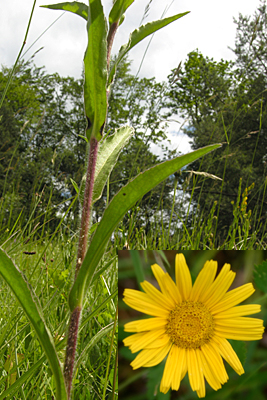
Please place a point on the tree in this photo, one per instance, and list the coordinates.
(201, 87)
(250, 43)
(140, 103)
(51, 148)
(221, 109)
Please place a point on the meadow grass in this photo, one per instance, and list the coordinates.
(173, 231)
(47, 262)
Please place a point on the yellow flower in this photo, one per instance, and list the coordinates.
(191, 324)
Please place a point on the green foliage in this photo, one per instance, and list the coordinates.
(153, 382)
(108, 153)
(29, 302)
(75, 7)
(138, 35)
(118, 9)
(260, 276)
(39, 154)
(51, 150)
(95, 71)
(251, 36)
(223, 109)
(118, 207)
(201, 87)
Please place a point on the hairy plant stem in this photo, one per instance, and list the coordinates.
(87, 204)
(111, 35)
(82, 247)
(71, 348)
(83, 238)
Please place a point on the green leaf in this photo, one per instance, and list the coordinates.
(29, 373)
(260, 276)
(95, 71)
(154, 376)
(119, 205)
(108, 153)
(29, 302)
(118, 9)
(138, 267)
(240, 348)
(74, 184)
(138, 35)
(75, 7)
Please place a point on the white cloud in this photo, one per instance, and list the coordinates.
(178, 141)
(209, 27)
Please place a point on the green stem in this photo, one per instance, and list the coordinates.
(111, 34)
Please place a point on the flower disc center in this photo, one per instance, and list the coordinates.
(190, 325)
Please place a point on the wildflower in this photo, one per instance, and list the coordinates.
(191, 324)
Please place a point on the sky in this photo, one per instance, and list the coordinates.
(209, 27)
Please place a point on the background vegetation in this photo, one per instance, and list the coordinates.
(221, 202)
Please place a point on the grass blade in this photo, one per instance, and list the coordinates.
(29, 302)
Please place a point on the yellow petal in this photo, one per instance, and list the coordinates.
(171, 289)
(244, 323)
(223, 285)
(169, 369)
(211, 378)
(238, 311)
(158, 355)
(132, 338)
(141, 302)
(160, 342)
(214, 359)
(204, 280)
(232, 298)
(157, 296)
(143, 297)
(238, 333)
(229, 354)
(202, 390)
(144, 340)
(219, 287)
(193, 369)
(180, 369)
(183, 276)
(159, 274)
(145, 324)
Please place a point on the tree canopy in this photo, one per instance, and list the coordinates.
(226, 103)
(42, 134)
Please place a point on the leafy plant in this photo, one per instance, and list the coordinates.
(102, 155)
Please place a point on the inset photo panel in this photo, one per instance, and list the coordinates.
(192, 324)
